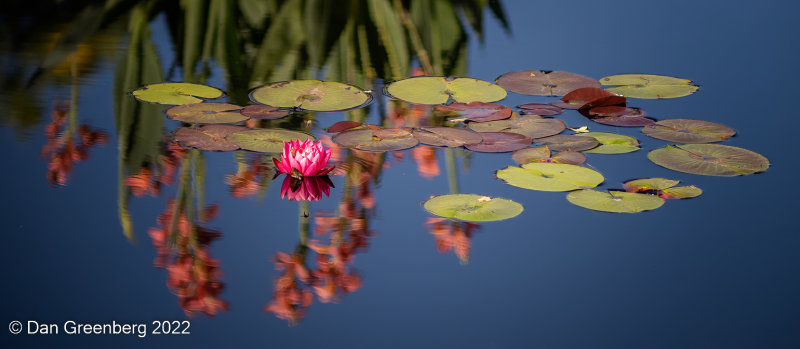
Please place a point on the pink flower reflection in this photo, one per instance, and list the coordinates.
(307, 188)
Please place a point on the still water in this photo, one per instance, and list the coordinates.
(84, 220)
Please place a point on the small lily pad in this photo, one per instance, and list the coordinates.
(176, 93)
(590, 97)
(500, 142)
(261, 111)
(343, 126)
(550, 176)
(439, 90)
(313, 95)
(618, 116)
(611, 143)
(540, 109)
(531, 126)
(376, 140)
(540, 83)
(210, 137)
(709, 159)
(664, 188)
(689, 131)
(472, 207)
(648, 86)
(568, 142)
(614, 201)
(207, 113)
(446, 136)
(543, 154)
(474, 111)
(268, 140)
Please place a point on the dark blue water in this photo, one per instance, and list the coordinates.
(720, 270)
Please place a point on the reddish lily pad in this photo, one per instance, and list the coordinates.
(664, 188)
(689, 131)
(568, 142)
(531, 126)
(540, 83)
(381, 140)
(500, 142)
(540, 109)
(210, 137)
(709, 159)
(474, 111)
(446, 136)
(261, 111)
(565, 105)
(343, 126)
(207, 113)
(543, 154)
(590, 97)
(614, 201)
(268, 140)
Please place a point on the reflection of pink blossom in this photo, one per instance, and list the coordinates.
(304, 159)
(307, 188)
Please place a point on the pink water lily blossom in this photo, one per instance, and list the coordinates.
(304, 159)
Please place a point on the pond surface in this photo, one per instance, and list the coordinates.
(719, 270)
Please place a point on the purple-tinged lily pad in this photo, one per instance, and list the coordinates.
(267, 140)
(210, 137)
(568, 142)
(543, 154)
(540, 83)
(446, 136)
(261, 111)
(619, 116)
(500, 142)
(689, 131)
(207, 113)
(381, 140)
(709, 159)
(531, 126)
(474, 112)
(541, 109)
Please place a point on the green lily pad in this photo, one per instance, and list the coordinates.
(543, 154)
(176, 93)
(531, 126)
(614, 201)
(313, 95)
(261, 111)
(268, 140)
(472, 207)
(438, 90)
(550, 176)
(648, 86)
(611, 143)
(376, 140)
(568, 142)
(540, 83)
(500, 142)
(446, 136)
(689, 131)
(664, 188)
(210, 137)
(709, 159)
(207, 113)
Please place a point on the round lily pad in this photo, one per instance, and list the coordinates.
(313, 95)
(618, 116)
(614, 201)
(176, 93)
(689, 131)
(682, 192)
(268, 140)
(472, 207)
(439, 90)
(474, 112)
(648, 86)
(500, 142)
(207, 113)
(590, 97)
(529, 125)
(540, 109)
(543, 154)
(343, 126)
(709, 159)
(210, 137)
(446, 136)
(261, 111)
(376, 140)
(568, 142)
(611, 143)
(540, 83)
(664, 188)
(550, 176)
